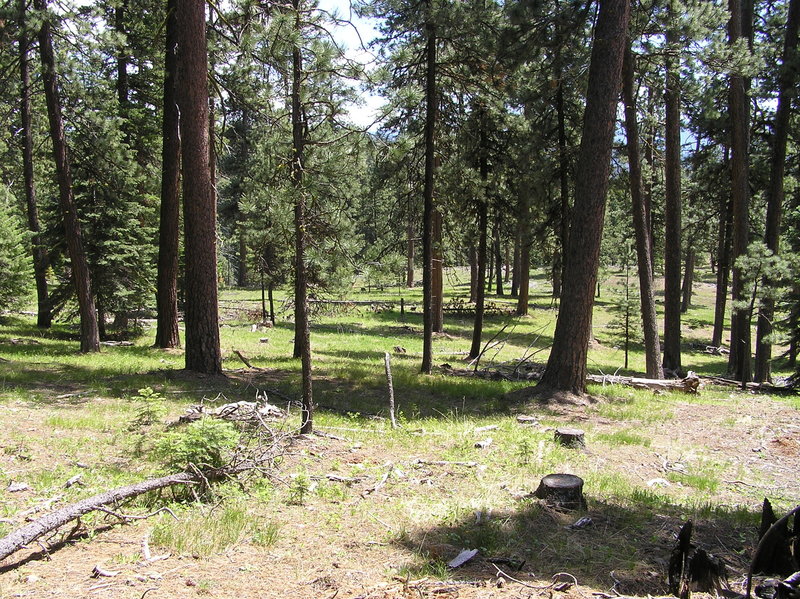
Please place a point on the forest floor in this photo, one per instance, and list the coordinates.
(363, 510)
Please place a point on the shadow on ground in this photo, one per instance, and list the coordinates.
(625, 550)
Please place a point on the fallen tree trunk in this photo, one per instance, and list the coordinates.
(689, 384)
(21, 537)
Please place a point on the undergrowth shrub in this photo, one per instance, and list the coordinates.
(150, 407)
(205, 443)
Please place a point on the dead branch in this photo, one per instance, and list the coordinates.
(690, 384)
(245, 360)
(21, 537)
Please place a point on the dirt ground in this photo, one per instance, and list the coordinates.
(757, 439)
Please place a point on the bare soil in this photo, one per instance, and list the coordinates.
(752, 442)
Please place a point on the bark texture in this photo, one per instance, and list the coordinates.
(44, 316)
(672, 205)
(167, 334)
(787, 87)
(566, 366)
(641, 229)
(199, 208)
(427, 195)
(739, 360)
(302, 332)
(90, 334)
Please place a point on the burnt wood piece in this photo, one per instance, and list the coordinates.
(775, 556)
(562, 491)
(570, 437)
(694, 569)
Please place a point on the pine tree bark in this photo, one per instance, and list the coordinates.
(199, 208)
(524, 278)
(427, 193)
(44, 315)
(739, 359)
(167, 333)
(515, 261)
(483, 234)
(672, 204)
(473, 273)
(641, 227)
(787, 87)
(688, 279)
(409, 249)
(437, 275)
(563, 180)
(480, 283)
(302, 332)
(566, 366)
(725, 235)
(90, 334)
(498, 256)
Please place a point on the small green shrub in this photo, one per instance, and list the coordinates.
(299, 488)
(150, 407)
(205, 444)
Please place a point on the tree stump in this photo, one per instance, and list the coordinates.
(562, 491)
(570, 437)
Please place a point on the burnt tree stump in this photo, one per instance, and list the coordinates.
(562, 491)
(570, 437)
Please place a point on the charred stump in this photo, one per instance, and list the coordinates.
(692, 568)
(775, 555)
(562, 492)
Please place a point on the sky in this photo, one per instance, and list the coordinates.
(348, 37)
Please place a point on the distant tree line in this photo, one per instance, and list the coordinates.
(155, 149)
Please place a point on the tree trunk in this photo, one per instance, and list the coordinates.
(641, 227)
(480, 285)
(506, 264)
(44, 316)
(437, 275)
(563, 179)
(483, 234)
(524, 278)
(302, 338)
(649, 181)
(409, 249)
(498, 256)
(90, 335)
(688, 279)
(739, 360)
(243, 275)
(672, 204)
(473, 273)
(167, 334)
(787, 86)
(515, 261)
(427, 193)
(725, 234)
(566, 366)
(199, 208)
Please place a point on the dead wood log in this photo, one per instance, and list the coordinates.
(690, 384)
(21, 537)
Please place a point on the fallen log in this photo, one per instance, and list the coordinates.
(21, 537)
(690, 384)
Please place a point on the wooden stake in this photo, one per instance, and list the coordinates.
(387, 362)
